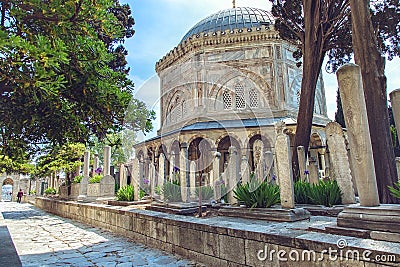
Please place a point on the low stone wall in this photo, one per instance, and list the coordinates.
(216, 242)
(75, 190)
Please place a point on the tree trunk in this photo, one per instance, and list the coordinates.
(312, 60)
(372, 65)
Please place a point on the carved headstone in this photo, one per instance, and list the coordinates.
(301, 155)
(217, 178)
(313, 175)
(161, 173)
(269, 161)
(395, 101)
(135, 178)
(340, 167)
(85, 179)
(258, 156)
(107, 186)
(183, 161)
(107, 160)
(284, 166)
(355, 114)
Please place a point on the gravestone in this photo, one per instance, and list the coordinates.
(340, 167)
(107, 160)
(313, 175)
(301, 154)
(192, 180)
(135, 178)
(123, 181)
(258, 156)
(284, 166)
(217, 178)
(355, 114)
(269, 161)
(172, 166)
(85, 179)
(107, 186)
(95, 162)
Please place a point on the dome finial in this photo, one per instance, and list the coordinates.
(234, 3)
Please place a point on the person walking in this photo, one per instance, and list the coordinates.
(19, 196)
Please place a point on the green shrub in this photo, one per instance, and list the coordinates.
(125, 193)
(50, 191)
(32, 192)
(207, 192)
(326, 193)
(157, 190)
(395, 190)
(302, 192)
(95, 179)
(256, 194)
(77, 179)
(172, 191)
(142, 193)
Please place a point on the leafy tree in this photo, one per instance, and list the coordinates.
(63, 74)
(322, 28)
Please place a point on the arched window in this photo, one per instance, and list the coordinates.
(240, 102)
(253, 96)
(227, 99)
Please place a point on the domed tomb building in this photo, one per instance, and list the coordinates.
(227, 83)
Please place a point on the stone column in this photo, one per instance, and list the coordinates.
(152, 178)
(171, 167)
(284, 166)
(245, 170)
(217, 178)
(355, 114)
(141, 173)
(107, 160)
(233, 173)
(340, 167)
(184, 174)
(395, 101)
(161, 173)
(302, 162)
(192, 180)
(135, 178)
(95, 162)
(122, 176)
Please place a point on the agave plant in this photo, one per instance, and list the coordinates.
(302, 191)
(326, 193)
(125, 193)
(207, 192)
(395, 190)
(256, 194)
(172, 191)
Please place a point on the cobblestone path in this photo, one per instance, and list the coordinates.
(43, 239)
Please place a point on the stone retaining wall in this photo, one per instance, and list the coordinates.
(214, 244)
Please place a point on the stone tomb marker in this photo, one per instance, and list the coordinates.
(284, 168)
(301, 154)
(85, 179)
(107, 183)
(340, 167)
(192, 180)
(245, 170)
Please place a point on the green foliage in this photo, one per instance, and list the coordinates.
(158, 190)
(32, 192)
(142, 193)
(125, 193)
(207, 192)
(64, 74)
(172, 191)
(95, 179)
(302, 191)
(77, 179)
(256, 194)
(325, 193)
(50, 191)
(395, 190)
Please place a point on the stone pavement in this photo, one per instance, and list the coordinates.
(42, 239)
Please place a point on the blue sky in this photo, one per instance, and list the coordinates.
(160, 25)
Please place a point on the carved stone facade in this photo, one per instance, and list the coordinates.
(229, 87)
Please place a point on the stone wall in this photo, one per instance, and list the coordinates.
(193, 238)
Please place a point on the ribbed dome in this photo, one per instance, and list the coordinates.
(231, 19)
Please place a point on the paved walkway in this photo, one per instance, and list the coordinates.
(42, 239)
